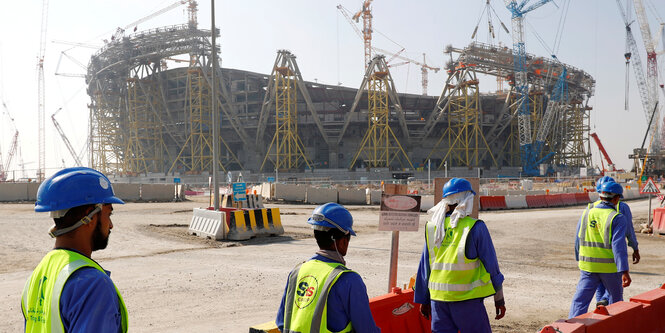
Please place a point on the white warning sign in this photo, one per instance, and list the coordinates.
(649, 187)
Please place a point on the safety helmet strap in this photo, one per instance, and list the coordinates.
(53, 232)
(320, 217)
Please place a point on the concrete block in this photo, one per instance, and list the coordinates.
(267, 191)
(14, 191)
(375, 197)
(321, 195)
(352, 197)
(289, 192)
(127, 192)
(516, 201)
(426, 202)
(32, 191)
(208, 224)
(157, 192)
(497, 192)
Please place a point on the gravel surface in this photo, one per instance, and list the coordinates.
(174, 282)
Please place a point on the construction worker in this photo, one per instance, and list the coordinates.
(458, 267)
(68, 291)
(602, 296)
(321, 294)
(601, 250)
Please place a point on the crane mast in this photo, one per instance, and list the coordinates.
(40, 94)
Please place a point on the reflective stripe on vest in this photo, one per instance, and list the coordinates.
(40, 301)
(323, 270)
(595, 240)
(454, 277)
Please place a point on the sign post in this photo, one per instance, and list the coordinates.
(649, 188)
(398, 213)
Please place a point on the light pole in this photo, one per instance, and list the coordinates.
(215, 121)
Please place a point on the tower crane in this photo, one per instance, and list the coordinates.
(192, 9)
(65, 139)
(632, 53)
(527, 153)
(40, 94)
(610, 164)
(13, 148)
(424, 67)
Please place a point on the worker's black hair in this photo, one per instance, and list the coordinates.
(73, 215)
(325, 239)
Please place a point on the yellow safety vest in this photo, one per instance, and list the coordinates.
(595, 237)
(306, 304)
(454, 277)
(41, 295)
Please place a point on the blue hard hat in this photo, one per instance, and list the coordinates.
(603, 180)
(73, 187)
(457, 185)
(611, 187)
(332, 215)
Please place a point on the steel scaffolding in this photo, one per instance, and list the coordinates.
(379, 147)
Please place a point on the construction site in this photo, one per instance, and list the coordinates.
(221, 168)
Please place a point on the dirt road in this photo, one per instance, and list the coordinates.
(173, 282)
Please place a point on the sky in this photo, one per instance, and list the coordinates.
(327, 50)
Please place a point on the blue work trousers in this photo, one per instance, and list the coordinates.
(467, 316)
(587, 286)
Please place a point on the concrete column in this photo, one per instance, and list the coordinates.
(333, 160)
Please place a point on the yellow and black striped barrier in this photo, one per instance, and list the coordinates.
(247, 223)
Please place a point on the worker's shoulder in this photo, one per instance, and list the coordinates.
(88, 276)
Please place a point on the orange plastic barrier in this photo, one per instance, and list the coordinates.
(658, 221)
(489, 202)
(582, 198)
(561, 326)
(654, 307)
(553, 200)
(396, 313)
(568, 199)
(536, 201)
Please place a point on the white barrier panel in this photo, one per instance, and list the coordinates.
(130, 192)
(631, 194)
(426, 202)
(266, 191)
(352, 197)
(14, 191)
(375, 197)
(289, 192)
(157, 192)
(321, 195)
(516, 201)
(32, 191)
(208, 224)
(593, 196)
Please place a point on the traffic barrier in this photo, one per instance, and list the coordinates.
(274, 221)
(265, 221)
(654, 307)
(516, 201)
(658, 220)
(208, 224)
(254, 201)
(352, 197)
(396, 313)
(319, 196)
(489, 202)
(238, 228)
(582, 198)
(561, 326)
(554, 200)
(269, 327)
(536, 201)
(568, 199)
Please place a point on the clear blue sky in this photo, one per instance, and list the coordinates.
(327, 48)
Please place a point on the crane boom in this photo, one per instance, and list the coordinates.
(652, 70)
(41, 95)
(610, 164)
(65, 139)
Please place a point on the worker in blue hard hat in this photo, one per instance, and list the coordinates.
(68, 291)
(458, 268)
(321, 294)
(602, 296)
(601, 251)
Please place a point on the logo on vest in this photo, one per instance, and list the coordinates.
(593, 224)
(448, 238)
(306, 291)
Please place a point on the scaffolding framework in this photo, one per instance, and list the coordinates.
(379, 146)
(289, 151)
(464, 139)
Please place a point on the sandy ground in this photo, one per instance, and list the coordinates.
(174, 282)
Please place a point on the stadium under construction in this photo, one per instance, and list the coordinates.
(151, 107)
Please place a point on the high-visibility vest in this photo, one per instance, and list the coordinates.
(306, 303)
(454, 277)
(595, 240)
(599, 201)
(41, 295)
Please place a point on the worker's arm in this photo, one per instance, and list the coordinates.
(89, 303)
(577, 238)
(348, 301)
(624, 209)
(279, 320)
(479, 245)
(421, 289)
(619, 244)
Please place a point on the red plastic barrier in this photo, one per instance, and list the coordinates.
(489, 202)
(658, 220)
(582, 198)
(536, 201)
(396, 313)
(654, 307)
(561, 326)
(553, 200)
(617, 317)
(568, 199)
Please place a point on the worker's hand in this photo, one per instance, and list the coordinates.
(499, 304)
(625, 278)
(426, 310)
(636, 256)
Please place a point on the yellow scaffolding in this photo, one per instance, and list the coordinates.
(466, 144)
(105, 146)
(289, 151)
(379, 147)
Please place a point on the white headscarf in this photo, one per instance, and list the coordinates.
(464, 201)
